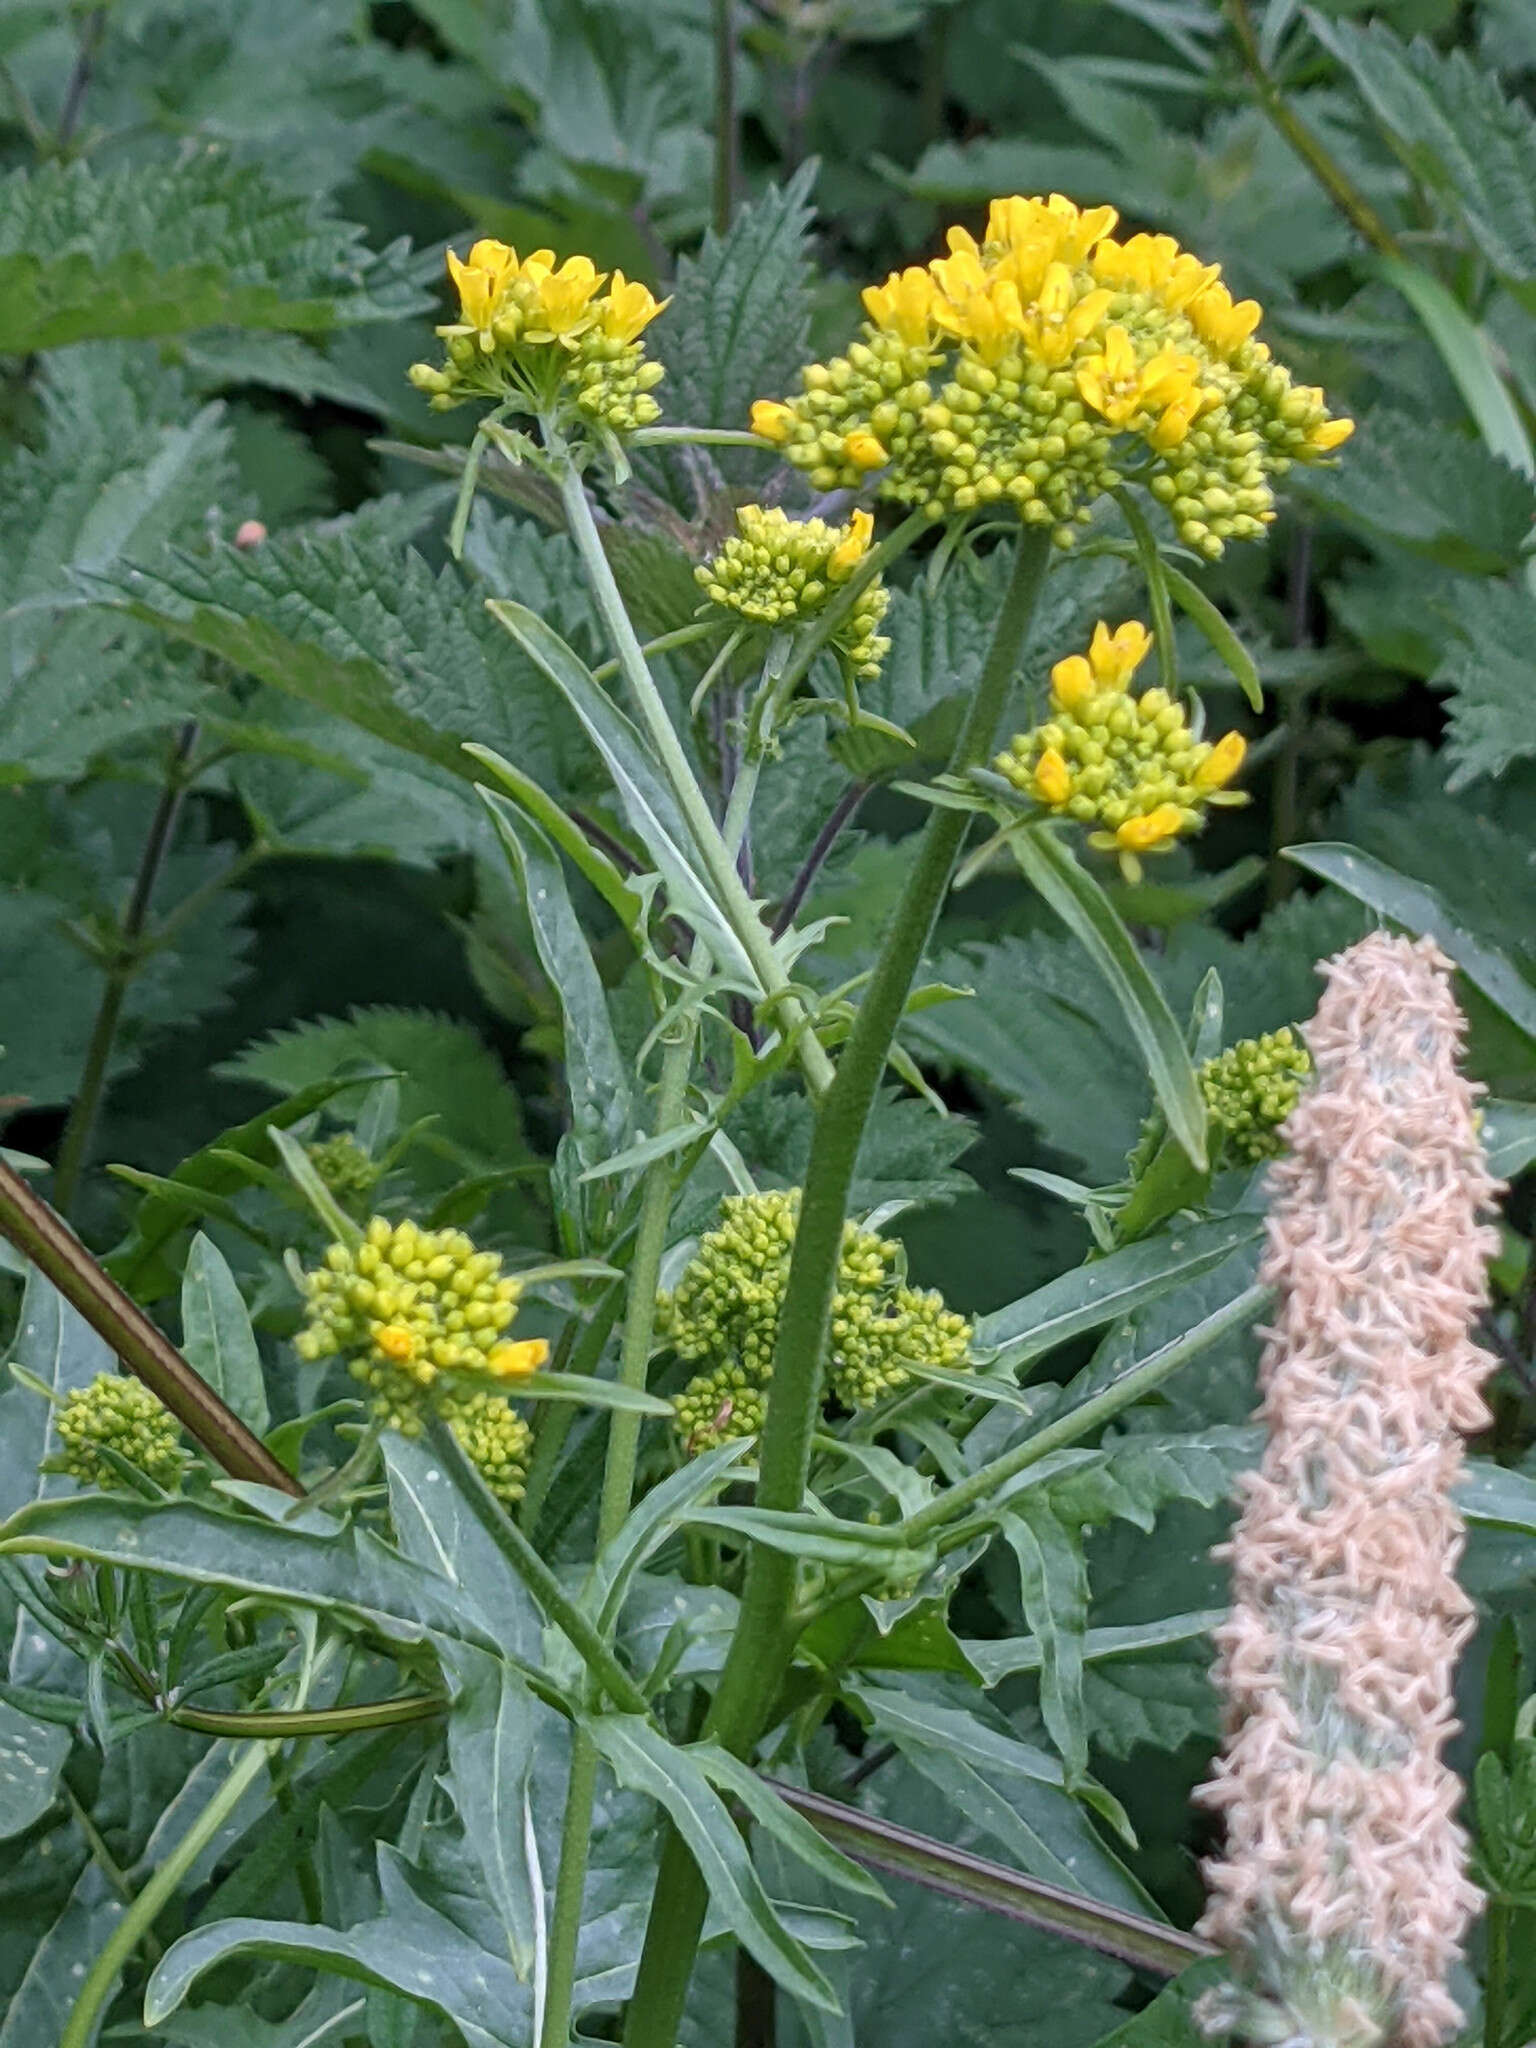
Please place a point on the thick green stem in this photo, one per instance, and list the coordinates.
(764, 1637)
(97, 1990)
(80, 1129)
(730, 892)
(618, 1490)
(149, 1355)
(725, 114)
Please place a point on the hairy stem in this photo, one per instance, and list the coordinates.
(80, 1127)
(147, 1352)
(618, 1490)
(764, 1634)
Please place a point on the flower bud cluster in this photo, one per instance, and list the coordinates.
(546, 337)
(344, 1166)
(1250, 1090)
(417, 1307)
(492, 1435)
(725, 1313)
(778, 571)
(1128, 765)
(121, 1413)
(1027, 369)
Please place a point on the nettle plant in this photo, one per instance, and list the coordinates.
(578, 1582)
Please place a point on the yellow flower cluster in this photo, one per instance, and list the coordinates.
(541, 336)
(1250, 1090)
(418, 1307)
(778, 571)
(725, 1312)
(123, 1414)
(1128, 765)
(1024, 370)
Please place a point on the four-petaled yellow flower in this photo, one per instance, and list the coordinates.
(1059, 320)
(481, 284)
(629, 308)
(903, 305)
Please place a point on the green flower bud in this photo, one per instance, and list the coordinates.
(123, 1413)
(1250, 1090)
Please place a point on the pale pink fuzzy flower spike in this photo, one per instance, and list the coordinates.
(1342, 1893)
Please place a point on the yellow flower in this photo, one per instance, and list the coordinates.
(1222, 762)
(564, 300)
(903, 306)
(516, 1360)
(1155, 264)
(1053, 780)
(1054, 325)
(1111, 380)
(1071, 682)
(1115, 657)
(1177, 417)
(848, 553)
(1078, 228)
(864, 451)
(773, 421)
(396, 1343)
(481, 284)
(1222, 324)
(628, 308)
(1140, 835)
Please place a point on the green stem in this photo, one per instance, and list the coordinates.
(764, 1636)
(1496, 1981)
(536, 1575)
(97, 1990)
(613, 1508)
(1352, 203)
(280, 1725)
(149, 1355)
(725, 114)
(80, 1128)
(730, 891)
(680, 636)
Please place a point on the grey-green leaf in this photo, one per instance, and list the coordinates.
(216, 1333)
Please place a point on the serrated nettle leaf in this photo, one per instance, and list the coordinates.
(1458, 132)
(1438, 494)
(1486, 670)
(1422, 910)
(597, 1075)
(149, 250)
(217, 1337)
(739, 321)
(644, 1761)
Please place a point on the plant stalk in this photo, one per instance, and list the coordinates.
(764, 1637)
(97, 1990)
(724, 195)
(80, 1126)
(1288, 124)
(730, 892)
(146, 1351)
(613, 1507)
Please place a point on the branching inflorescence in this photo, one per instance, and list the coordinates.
(1342, 1892)
(1027, 369)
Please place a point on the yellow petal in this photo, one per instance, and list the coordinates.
(1071, 683)
(864, 451)
(1330, 434)
(1053, 778)
(1222, 762)
(1140, 835)
(851, 550)
(396, 1342)
(1115, 657)
(516, 1361)
(772, 420)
